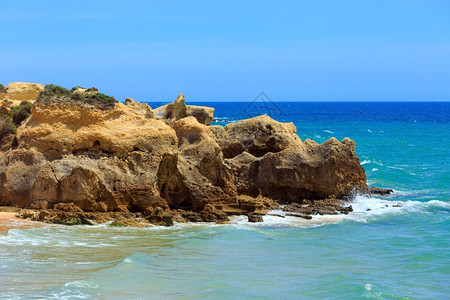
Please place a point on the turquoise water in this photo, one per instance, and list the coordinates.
(380, 251)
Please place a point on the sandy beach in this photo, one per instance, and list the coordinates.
(8, 220)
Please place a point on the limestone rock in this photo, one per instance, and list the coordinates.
(184, 187)
(198, 145)
(18, 170)
(198, 174)
(73, 163)
(255, 217)
(82, 91)
(245, 167)
(322, 171)
(18, 91)
(179, 107)
(230, 148)
(160, 112)
(98, 160)
(143, 204)
(141, 108)
(178, 110)
(69, 128)
(262, 134)
(79, 90)
(203, 114)
(175, 110)
(328, 170)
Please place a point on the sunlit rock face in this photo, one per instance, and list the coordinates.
(129, 159)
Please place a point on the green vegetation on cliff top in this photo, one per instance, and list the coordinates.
(52, 90)
(90, 96)
(12, 118)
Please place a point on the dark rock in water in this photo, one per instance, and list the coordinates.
(307, 217)
(276, 215)
(255, 218)
(380, 191)
(318, 207)
(347, 209)
(204, 216)
(158, 216)
(326, 212)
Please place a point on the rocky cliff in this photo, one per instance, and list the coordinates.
(72, 162)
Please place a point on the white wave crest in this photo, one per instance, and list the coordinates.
(368, 161)
(365, 209)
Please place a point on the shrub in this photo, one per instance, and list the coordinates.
(116, 224)
(99, 99)
(2, 88)
(52, 90)
(21, 112)
(96, 99)
(76, 87)
(90, 96)
(92, 89)
(7, 129)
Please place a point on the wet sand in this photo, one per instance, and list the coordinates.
(8, 220)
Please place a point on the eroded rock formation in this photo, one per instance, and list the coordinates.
(19, 91)
(80, 162)
(178, 110)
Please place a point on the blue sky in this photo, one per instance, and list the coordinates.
(232, 50)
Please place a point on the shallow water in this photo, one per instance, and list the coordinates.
(388, 248)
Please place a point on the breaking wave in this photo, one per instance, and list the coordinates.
(365, 209)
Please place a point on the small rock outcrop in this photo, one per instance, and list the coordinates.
(75, 161)
(300, 171)
(141, 108)
(19, 91)
(261, 135)
(172, 111)
(178, 110)
(203, 114)
(255, 218)
(380, 191)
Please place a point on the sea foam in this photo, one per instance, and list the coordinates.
(365, 209)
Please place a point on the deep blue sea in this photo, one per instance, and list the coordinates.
(379, 251)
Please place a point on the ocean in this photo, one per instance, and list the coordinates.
(394, 247)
